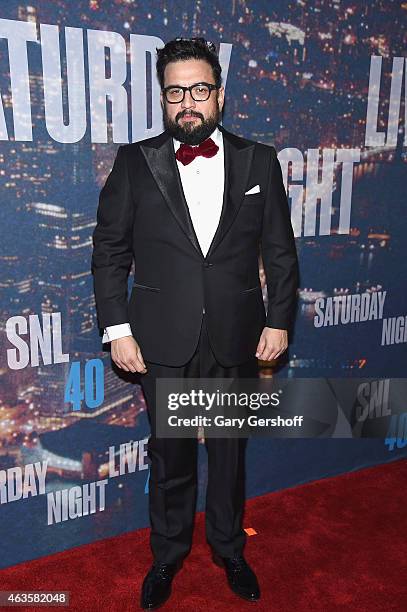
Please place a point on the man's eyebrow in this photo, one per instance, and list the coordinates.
(178, 85)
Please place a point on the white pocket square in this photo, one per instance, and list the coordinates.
(255, 189)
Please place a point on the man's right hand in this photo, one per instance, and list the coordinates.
(127, 355)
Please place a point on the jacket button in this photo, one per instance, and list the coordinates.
(207, 264)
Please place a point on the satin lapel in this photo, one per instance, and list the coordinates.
(163, 166)
(238, 157)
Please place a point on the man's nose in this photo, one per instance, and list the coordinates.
(188, 101)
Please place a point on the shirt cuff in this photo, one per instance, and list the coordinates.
(113, 332)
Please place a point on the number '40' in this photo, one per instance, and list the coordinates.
(93, 392)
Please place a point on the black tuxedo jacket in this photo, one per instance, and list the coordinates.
(143, 213)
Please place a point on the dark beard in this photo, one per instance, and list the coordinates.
(189, 133)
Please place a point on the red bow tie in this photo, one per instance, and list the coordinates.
(187, 153)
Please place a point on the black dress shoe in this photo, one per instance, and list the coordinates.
(241, 578)
(157, 584)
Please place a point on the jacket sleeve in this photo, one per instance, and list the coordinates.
(279, 252)
(112, 245)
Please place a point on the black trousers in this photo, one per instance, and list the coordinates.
(173, 469)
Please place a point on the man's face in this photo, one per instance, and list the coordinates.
(190, 121)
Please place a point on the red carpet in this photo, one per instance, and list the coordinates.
(335, 544)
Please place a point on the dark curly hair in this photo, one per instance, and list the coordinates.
(188, 48)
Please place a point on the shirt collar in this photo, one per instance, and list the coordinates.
(216, 137)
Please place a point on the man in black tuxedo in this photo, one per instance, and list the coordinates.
(194, 206)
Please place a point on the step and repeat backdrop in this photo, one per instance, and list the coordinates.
(324, 82)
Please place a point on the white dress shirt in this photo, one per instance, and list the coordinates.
(203, 184)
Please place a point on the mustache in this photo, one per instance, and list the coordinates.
(183, 113)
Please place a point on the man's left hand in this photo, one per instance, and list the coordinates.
(273, 342)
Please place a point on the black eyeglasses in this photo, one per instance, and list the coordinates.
(174, 94)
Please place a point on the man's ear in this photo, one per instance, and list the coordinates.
(221, 96)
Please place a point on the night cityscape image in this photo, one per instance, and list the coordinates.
(322, 81)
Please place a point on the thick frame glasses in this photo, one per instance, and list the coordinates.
(200, 92)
